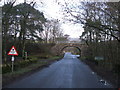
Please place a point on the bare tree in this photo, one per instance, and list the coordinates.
(51, 31)
(100, 16)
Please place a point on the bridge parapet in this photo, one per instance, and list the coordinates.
(58, 48)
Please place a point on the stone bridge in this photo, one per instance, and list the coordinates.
(58, 48)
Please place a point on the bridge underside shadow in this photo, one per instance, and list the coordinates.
(62, 50)
(58, 48)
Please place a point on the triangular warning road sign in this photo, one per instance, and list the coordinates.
(13, 51)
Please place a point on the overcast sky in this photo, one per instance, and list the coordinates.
(52, 10)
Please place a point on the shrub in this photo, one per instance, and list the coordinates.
(116, 68)
(18, 65)
(6, 68)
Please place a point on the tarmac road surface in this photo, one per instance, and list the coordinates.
(69, 72)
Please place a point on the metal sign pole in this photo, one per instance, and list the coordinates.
(13, 63)
(12, 66)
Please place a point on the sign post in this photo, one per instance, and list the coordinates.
(26, 55)
(13, 63)
(13, 52)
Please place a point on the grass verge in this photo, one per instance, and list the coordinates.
(9, 77)
(101, 71)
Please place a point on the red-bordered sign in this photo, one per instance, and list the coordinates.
(13, 51)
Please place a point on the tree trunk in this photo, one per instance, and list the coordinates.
(5, 40)
(24, 39)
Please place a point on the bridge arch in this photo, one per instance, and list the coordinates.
(59, 47)
(71, 46)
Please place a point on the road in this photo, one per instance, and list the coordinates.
(69, 72)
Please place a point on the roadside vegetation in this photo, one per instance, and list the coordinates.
(102, 36)
(33, 36)
(30, 32)
(26, 28)
(26, 67)
(101, 23)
